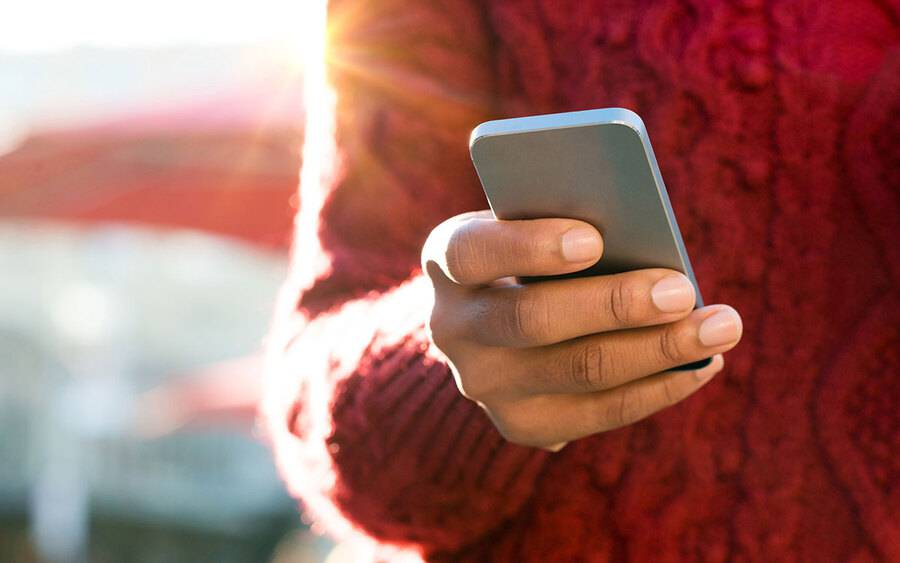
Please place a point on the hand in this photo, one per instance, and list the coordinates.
(558, 360)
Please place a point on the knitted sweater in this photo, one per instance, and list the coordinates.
(772, 125)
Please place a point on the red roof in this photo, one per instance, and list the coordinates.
(235, 177)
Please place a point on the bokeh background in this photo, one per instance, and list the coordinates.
(149, 155)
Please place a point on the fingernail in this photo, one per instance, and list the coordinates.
(556, 447)
(581, 244)
(721, 328)
(672, 294)
(712, 369)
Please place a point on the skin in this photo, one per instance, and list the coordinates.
(558, 360)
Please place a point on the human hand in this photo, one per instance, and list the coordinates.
(558, 360)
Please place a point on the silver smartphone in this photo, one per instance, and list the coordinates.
(596, 166)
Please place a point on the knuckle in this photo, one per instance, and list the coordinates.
(515, 429)
(462, 255)
(519, 321)
(478, 384)
(619, 303)
(438, 333)
(444, 329)
(512, 432)
(670, 346)
(438, 242)
(627, 408)
(588, 367)
(525, 319)
(670, 391)
(470, 386)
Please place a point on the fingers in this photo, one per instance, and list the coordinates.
(558, 360)
(476, 249)
(550, 420)
(559, 310)
(604, 361)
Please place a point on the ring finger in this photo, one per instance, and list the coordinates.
(552, 420)
(605, 361)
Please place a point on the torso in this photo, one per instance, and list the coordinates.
(775, 127)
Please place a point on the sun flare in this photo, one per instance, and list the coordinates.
(319, 150)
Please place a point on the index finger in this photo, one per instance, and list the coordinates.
(476, 249)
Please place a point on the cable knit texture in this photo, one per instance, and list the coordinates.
(775, 127)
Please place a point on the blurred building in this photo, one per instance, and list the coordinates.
(140, 248)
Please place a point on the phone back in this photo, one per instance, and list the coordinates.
(596, 166)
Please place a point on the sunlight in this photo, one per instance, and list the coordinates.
(319, 150)
(49, 25)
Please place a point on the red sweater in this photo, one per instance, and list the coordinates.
(772, 123)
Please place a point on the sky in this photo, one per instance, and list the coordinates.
(65, 63)
(51, 25)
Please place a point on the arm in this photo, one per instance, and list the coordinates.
(398, 454)
(411, 80)
(365, 419)
(371, 432)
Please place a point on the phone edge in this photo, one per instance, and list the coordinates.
(586, 118)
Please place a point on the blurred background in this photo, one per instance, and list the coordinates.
(149, 155)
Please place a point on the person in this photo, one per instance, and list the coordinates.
(423, 403)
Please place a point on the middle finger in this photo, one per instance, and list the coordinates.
(548, 312)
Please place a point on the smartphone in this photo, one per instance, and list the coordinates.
(596, 166)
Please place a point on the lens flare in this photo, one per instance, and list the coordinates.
(319, 150)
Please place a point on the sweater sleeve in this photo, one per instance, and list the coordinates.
(371, 433)
(363, 413)
(411, 79)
